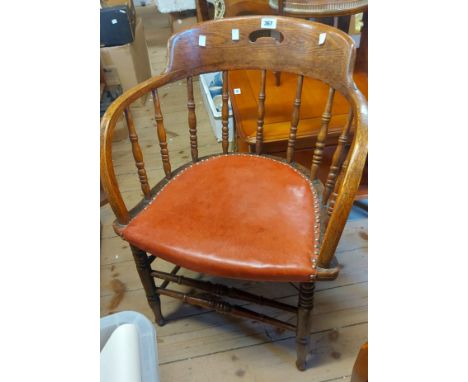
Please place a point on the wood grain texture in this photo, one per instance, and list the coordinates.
(334, 194)
(192, 119)
(322, 135)
(144, 271)
(278, 109)
(261, 114)
(304, 316)
(298, 53)
(225, 113)
(137, 155)
(294, 120)
(335, 218)
(226, 308)
(202, 11)
(338, 158)
(234, 8)
(161, 131)
(204, 345)
(220, 290)
(314, 8)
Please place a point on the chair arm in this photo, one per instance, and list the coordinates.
(350, 181)
(108, 122)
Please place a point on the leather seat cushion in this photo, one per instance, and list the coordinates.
(237, 215)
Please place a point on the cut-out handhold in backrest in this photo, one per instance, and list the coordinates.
(261, 33)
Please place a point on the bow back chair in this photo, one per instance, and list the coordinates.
(243, 216)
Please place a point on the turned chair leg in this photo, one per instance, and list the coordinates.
(304, 315)
(144, 271)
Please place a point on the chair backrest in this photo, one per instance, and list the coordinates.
(265, 43)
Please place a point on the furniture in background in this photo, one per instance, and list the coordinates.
(360, 369)
(244, 216)
(320, 108)
(182, 12)
(318, 8)
(320, 111)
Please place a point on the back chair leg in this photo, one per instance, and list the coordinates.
(144, 271)
(304, 315)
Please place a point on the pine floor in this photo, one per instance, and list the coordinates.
(202, 345)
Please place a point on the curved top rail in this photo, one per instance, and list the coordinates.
(298, 50)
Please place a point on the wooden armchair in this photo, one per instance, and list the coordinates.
(214, 215)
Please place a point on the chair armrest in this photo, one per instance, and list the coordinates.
(350, 181)
(108, 122)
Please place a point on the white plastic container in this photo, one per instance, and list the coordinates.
(214, 114)
(148, 352)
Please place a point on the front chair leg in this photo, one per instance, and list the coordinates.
(144, 271)
(304, 314)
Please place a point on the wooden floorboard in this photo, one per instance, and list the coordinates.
(202, 345)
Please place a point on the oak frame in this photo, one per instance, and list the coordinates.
(299, 53)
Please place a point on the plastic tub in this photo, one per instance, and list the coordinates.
(211, 88)
(149, 364)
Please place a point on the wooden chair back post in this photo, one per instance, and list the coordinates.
(161, 131)
(225, 113)
(137, 155)
(261, 114)
(192, 120)
(294, 120)
(294, 47)
(322, 135)
(338, 158)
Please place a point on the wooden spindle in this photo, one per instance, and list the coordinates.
(334, 194)
(261, 114)
(225, 113)
(192, 120)
(338, 158)
(322, 135)
(294, 120)
(224, 307)
(137, 155)
(161, 134)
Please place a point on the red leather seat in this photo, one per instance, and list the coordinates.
(240, 216)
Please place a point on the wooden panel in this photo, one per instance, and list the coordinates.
(295, 51)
